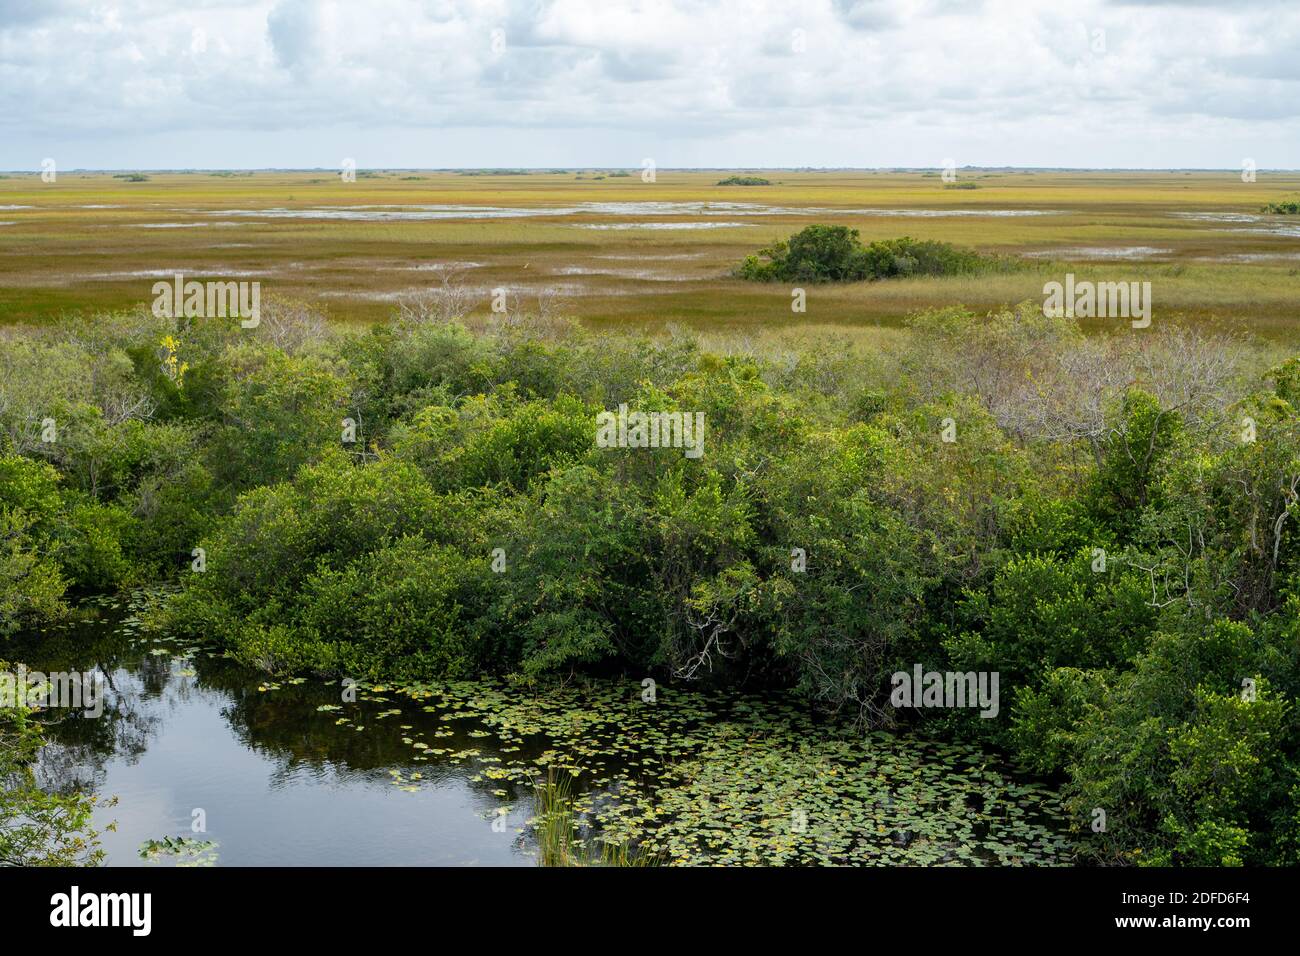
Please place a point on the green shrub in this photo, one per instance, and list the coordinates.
(279, 412)
(1283, 207)
(406, 611)
(1186, 769)
(1043, 612)
(31, 586)
(835, 254)
(90, 544)
(999, 493)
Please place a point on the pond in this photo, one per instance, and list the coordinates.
(308, 771)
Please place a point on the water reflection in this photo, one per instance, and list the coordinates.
(278, 781)
(288, 772)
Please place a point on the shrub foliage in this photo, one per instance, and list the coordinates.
(1002, 493)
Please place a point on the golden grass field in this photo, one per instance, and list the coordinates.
(92, 241)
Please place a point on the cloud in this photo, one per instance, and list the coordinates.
(293, 27)
(866, 14)
(848, 82)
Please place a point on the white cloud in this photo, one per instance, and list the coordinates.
(689, 82)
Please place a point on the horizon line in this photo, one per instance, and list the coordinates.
(508, 170)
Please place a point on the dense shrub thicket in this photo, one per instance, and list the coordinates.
(836, 254)
(1283, 207)
(1109, 523)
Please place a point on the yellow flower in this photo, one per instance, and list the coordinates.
(172, 366)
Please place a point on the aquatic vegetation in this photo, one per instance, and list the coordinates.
(699, 779)
(557, 831)
(181, 851)
(880, 801)
(555, 820)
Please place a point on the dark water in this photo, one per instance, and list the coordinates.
(281, 772)
(278, 781)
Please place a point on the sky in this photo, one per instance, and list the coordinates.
(250, 84)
